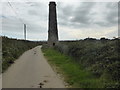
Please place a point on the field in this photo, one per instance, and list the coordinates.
(88, 63)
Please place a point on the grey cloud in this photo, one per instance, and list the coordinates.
(32, 12)
(80, 16)
(64, 13)
(36, 29)
(75, 16)
(110, 16)
(35, 4)
(13, 25)
(38, 11)
(82, 13)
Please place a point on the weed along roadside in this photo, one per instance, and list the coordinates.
(72, 72)
(13, 48)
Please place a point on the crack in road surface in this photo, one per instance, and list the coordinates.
(30, 71)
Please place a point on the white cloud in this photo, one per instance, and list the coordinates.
(62, 0)
(66, 33)
(35, 15)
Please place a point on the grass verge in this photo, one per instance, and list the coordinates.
(74, 74)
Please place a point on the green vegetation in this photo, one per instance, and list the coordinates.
(88, 63)
(74, 73)
(13, 48)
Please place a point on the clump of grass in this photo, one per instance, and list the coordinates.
(75, 75)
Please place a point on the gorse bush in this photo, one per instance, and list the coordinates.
(13, 48)
(101, 57)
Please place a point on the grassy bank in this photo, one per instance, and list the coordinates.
(13, 48)
(99, 59)
(75, 75)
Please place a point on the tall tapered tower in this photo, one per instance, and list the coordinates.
(52, 29)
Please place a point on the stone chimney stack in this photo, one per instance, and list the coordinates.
(52, 29)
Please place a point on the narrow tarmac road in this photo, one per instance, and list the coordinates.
(30, 70)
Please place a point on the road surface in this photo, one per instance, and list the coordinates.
(31, 70)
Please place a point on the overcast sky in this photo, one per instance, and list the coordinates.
(76, 20)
